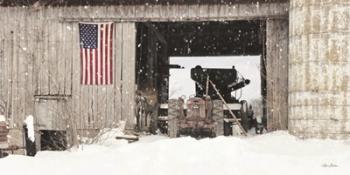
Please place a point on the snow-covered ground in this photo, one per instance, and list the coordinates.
(275, 153)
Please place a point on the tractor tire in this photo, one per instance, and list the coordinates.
(244, 115)
(218, 117)
(173, 113)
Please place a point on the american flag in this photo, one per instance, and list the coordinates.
(96, 53)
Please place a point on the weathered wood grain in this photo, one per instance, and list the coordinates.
(277, 73)
(128, 74)
(118, 45)
(75, 77)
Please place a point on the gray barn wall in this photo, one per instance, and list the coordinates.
(40, 62)
(40, 73)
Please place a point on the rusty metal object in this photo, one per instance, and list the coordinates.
(205, 112)
(197, 119)
(12, 148)
(3, 135)
(197, 115)
(4, 131)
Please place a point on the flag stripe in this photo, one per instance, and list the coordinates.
(99, 62)
(81, 66)
(93, 72)
(111, 54)
(106, 53)
(101, 52)
(96, 67)
(86, 66)
(91, 66)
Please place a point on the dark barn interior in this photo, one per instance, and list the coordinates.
(157, 41)
(53, 140)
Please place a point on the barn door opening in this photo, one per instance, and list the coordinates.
(158, 42)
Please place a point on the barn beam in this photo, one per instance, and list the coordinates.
(200, 12)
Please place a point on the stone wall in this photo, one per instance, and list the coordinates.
(319, 69)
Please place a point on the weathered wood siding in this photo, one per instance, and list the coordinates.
(277, 73)
(40, 62)
(40, 72)
(198, 12)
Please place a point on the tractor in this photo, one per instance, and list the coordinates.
(213, 110)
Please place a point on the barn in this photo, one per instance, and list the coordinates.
(304, 48)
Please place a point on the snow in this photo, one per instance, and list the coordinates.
(107, 136)
(271, 154)
(2, 118)
(29, 121)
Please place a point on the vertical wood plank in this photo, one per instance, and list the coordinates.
(101, 106)
(11, 61)
(213, 11)
(44, 71)
(52, 58)
(118, 72)
(76, 89)
(35, 39)
(90, 108)
(139, 11)
(277, 73)
(128, 91)
(98, 119)
(16, 70)
(193, 11)
(84, 107)
(284, 61)
(269, 74)
(60, 41)
(30, 59)
(108, 120)
(38, 39)
(67, 49)
(3, 64)
(203, 11)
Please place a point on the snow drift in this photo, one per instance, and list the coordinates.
(275, 153)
